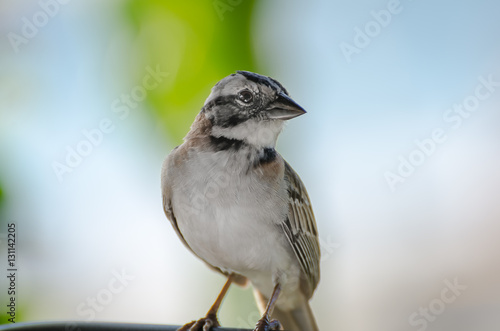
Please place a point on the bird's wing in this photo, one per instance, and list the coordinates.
(169, 212)
(300, 228)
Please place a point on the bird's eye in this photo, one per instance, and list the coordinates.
(246, 96)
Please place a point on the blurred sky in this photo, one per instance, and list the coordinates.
(386, 252)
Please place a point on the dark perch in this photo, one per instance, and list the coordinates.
(84, 326)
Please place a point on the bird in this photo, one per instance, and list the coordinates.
(236, 204)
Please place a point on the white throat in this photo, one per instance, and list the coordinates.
(260, 134)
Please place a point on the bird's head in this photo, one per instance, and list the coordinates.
(250, 107)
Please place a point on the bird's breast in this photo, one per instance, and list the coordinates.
(229, 215)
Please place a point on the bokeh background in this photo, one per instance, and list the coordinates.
(390, 248)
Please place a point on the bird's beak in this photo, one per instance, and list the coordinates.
(284, 108)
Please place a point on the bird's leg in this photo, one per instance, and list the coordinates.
(264, 324)
(210, 320)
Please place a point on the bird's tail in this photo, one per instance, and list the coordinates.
(299, 319)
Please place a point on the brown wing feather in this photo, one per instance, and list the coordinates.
(300, 228)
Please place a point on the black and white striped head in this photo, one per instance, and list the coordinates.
(250, 107)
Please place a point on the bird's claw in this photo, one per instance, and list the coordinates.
(265, 325)
(203, 324)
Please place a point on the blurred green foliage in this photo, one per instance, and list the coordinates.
(1, 199)
(197, 43)
(4, 318)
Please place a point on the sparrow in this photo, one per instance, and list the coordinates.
(237, 205)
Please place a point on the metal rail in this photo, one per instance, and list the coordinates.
(85, 326)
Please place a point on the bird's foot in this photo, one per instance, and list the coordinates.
(265, 325)
(203, 324)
